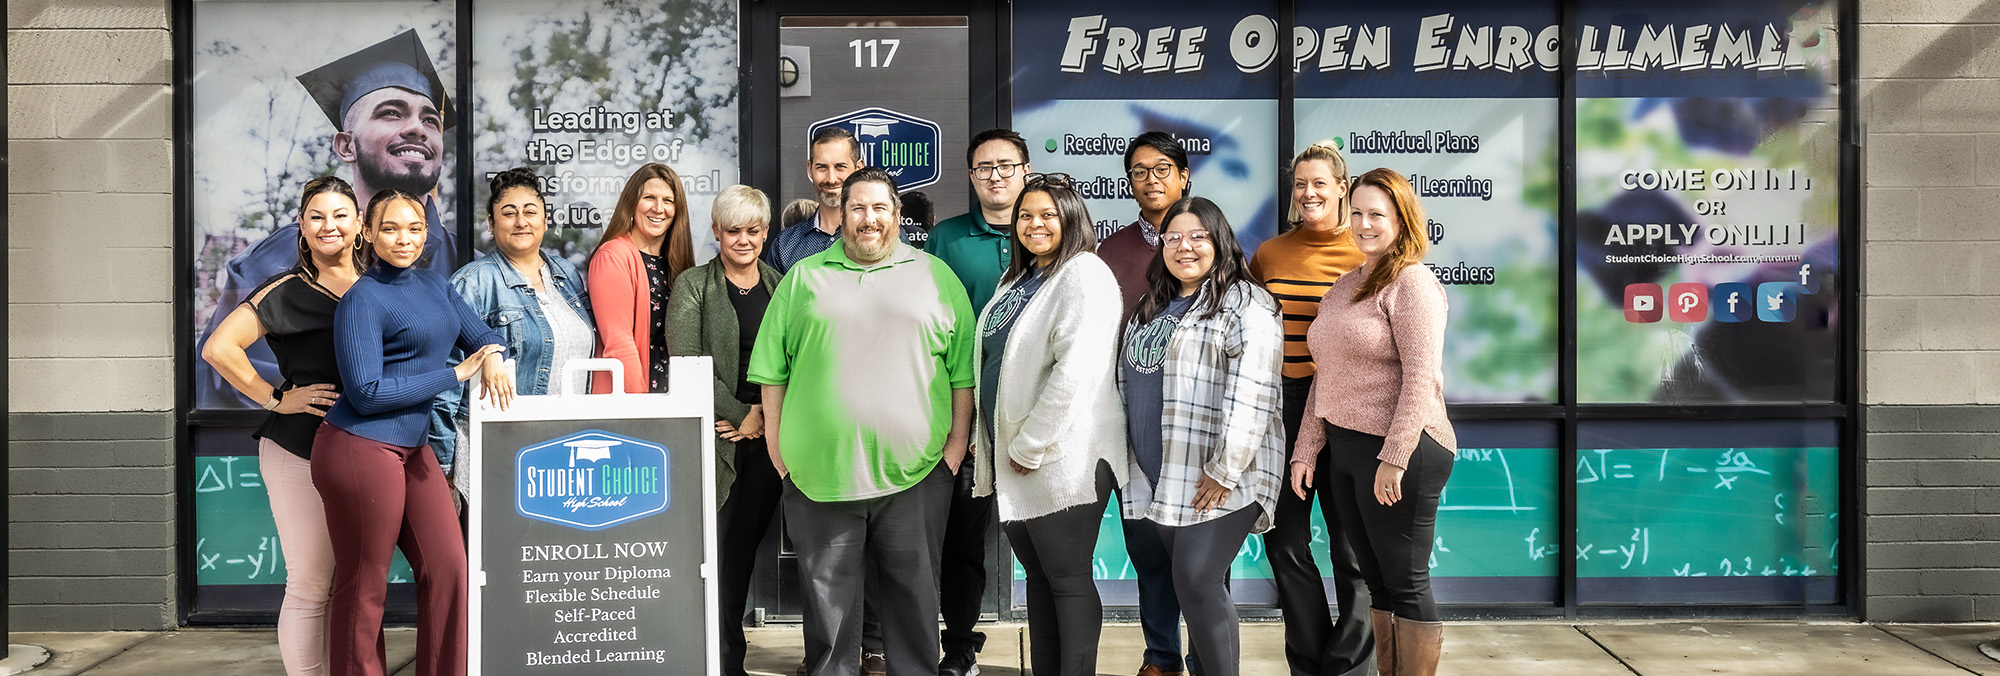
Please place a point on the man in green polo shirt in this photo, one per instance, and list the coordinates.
(865, 357)
(975, 245)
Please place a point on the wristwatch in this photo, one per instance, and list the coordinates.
(272, 405)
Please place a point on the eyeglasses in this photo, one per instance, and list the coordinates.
(1004, 170)
(1195, 238)
(1049, 179)
(1159, 171)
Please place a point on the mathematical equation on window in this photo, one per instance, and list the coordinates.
(1495, 499)
(236, 540)
(1736, 512)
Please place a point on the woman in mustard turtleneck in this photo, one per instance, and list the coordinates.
(1298, 267)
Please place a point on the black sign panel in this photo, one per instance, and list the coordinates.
(592, 544)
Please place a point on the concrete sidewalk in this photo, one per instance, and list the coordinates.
(1482, 648)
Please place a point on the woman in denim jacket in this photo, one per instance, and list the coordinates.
(535, 300)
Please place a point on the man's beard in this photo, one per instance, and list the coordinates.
(420, 182)
(869, 253)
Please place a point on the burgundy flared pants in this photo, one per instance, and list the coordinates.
(380, 497)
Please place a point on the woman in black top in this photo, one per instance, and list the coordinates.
(715, 310)
(293, 312)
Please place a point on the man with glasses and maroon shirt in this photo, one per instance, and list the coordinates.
(1158, 170)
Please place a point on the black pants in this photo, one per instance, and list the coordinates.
(1159, 607)
(1065, 615)
(962, 571)
(1317, 643)
(1200, 556)
(742, 523)
(1391, 542)
(884, 548)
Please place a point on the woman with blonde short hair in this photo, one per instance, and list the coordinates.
(715, 310)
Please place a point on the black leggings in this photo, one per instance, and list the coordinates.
(1201, 555)
(1391, 542)
(1065, 615)
(741, 524)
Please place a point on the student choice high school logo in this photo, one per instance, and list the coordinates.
(591, 480)
(906, 146)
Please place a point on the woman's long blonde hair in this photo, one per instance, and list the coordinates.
(1327, 151)
(1410, 245)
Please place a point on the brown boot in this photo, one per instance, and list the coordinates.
(1383, 623)
(1418, 646)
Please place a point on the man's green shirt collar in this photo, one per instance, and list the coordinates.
(837, 255)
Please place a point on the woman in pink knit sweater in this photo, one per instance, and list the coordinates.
(1377, 409)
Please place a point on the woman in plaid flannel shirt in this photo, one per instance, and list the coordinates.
(1199, 371)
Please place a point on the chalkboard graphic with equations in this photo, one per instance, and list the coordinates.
(237, 559)
(1497, 538)
(237, 541)
(1719, 512)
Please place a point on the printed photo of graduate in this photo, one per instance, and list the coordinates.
(365, 99)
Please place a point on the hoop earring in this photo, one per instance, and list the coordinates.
(304, 253)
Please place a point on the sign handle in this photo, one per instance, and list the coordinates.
(596, 364)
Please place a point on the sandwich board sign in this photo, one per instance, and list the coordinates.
(589, 527)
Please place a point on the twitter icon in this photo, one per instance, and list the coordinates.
(1733, 301)
(1777, 301)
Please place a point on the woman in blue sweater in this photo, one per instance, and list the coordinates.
(378, 478)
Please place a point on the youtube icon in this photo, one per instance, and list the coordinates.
(1642, 303)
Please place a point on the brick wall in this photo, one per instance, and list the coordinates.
(92, 531)
(1931, 105)
(90, 325)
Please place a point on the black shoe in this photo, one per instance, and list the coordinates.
(959, 663)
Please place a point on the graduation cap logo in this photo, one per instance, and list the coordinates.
(872, 126)
(906, 146)
(400, 62)
(590, 450)
(591, 479)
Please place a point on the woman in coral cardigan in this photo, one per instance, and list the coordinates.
(644, 248)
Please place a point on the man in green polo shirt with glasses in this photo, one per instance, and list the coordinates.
(865, 358)
(975, 245)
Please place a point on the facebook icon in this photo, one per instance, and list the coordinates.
(1808, 278)
(1732, 302)
(1777, 301)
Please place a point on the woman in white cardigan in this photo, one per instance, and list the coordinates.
(1049, 405)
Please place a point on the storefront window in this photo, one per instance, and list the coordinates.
(1648, 299)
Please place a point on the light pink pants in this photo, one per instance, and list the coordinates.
(295, 506)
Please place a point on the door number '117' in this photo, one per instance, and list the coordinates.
(873, 47)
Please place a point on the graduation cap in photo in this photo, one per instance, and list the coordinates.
(399, 62)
